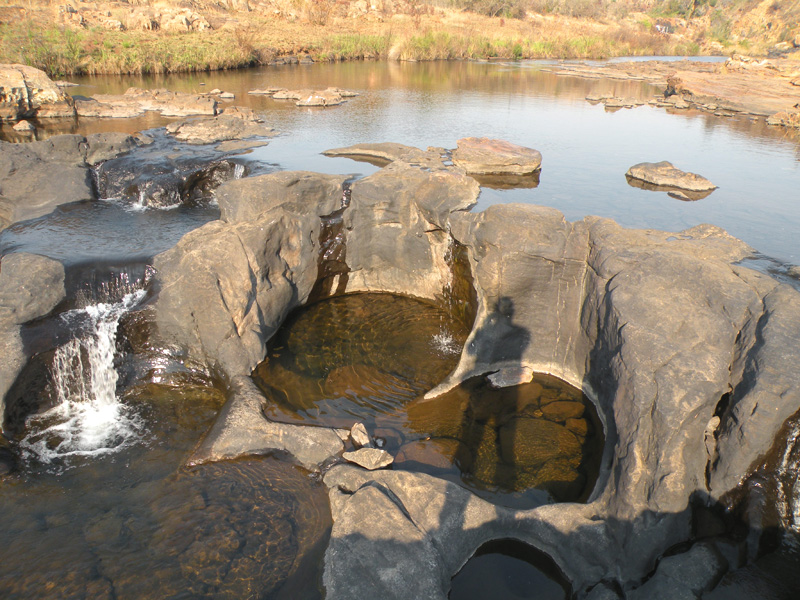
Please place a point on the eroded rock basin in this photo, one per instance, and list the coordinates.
(370, 358)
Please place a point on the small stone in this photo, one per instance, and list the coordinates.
(24, 127)
(215, 92)
(359, 436)
(369, 458)
(227, 96)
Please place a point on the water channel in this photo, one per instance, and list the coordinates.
(99, 512)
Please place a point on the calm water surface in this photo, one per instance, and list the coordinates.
(586, 149)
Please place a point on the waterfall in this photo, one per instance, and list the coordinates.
(87, 418)
(238, 171)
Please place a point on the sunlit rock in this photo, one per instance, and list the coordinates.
(665, 175)
(27, 92)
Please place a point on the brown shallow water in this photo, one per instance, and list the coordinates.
(372, 357)
(137, 525)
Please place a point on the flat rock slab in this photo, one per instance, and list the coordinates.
(379, 154)
(236, 123)
(484, 156)
(136, 101)
(331, 96)
(666, 175)
(369, 458)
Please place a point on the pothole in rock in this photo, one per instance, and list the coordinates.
(371, 358)
(511, 570)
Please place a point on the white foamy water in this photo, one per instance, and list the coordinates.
(444, 343)
(88, 418)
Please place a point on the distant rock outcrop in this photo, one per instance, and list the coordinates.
(27, 92)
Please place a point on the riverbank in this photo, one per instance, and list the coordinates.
(114, 38)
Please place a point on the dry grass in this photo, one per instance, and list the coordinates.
(331, 30)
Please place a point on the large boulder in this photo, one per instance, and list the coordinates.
(39, 176)
(27, 92)
(30, 287)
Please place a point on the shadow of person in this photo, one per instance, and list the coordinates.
(499, 340)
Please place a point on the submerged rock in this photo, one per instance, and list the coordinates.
(28, 92)
(483, 156)
(665, 175)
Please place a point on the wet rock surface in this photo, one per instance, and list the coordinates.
(27, 92)
(664, 175)
(162, 176)
(37, 177)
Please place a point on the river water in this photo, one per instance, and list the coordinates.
(127, 521)
(586, 149)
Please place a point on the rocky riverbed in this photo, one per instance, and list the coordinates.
(761, 87)
(681, 349)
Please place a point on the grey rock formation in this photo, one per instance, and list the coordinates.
(236, 123)
(37, 177)
(27, 92)
(30, 287)
(685, 575)
(136, 101)
(665, 175)
(682, 350)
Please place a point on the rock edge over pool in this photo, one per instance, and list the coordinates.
(682, 349)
